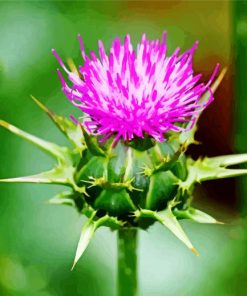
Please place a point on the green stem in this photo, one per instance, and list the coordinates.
(127, 262)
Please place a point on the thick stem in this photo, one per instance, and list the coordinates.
(127, 262)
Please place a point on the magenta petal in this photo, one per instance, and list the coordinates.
(130, 93)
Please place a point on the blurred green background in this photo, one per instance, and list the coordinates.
(37, 240)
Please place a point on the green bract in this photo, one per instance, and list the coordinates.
(128, 184)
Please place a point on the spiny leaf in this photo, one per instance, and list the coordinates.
(70, 130)
(58, 175)
(195, 215)
(87, 234)
(226, 173)
(62, 198)
(205, 169)
(112, 222)
(226, 160)
(168, 219)
(60, 153)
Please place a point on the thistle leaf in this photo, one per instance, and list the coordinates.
(89, 230)
(167, 219)
(226, 160)
(211, 169)
(195, 215)
(67, 127)
(87, 234)
(226, 173)
(112, 222)
(62, 198)
(58, 175)
(60, 153)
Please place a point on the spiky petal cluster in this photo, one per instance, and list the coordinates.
(132, 93)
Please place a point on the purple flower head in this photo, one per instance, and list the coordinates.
(129, 93)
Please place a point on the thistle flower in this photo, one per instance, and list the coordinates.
(131, 93)
(122, 183)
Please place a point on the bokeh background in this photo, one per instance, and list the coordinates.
(37, 240)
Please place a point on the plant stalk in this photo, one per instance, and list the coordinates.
(127, 262)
